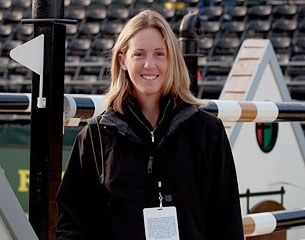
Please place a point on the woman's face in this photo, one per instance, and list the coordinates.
(146, 62)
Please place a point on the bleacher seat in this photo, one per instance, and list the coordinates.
(67, 3)
(72, 64)
(143, 2)
(297, 87)
(282, 47)
(19, 70)
(192, 3)
(301, 12)
(277, 2)
(18, 83)
(22, 4)
(101, 3)
(71, 31)
(118, 13)
(80, 3)
(205, 45)
(4, 67)
(283, 27)
(4, 63)
(213, 13)
(232, 29)
(169, 14)
(257, 29)
(13, 16)
(96, 66)
(96, 14)
(111, 28)
(235, 13)
(281, 44)
(8, 46)
(122, 3)
(300, 29)
(209, 28)
(5, 32)
(295, 69)
(79, 47)
(102, 45)
(24, 32)
(227, 46)
(223, 27)
(89, 30)
(75, 13)
(84, 84)
(260, 12)
(284, 11)
(299, 45)
(6, 4)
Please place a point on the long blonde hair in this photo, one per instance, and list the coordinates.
(178, 80)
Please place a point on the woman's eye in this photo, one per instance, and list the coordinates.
(139, 54)
(160, 54)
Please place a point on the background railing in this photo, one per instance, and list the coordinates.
(256, 224)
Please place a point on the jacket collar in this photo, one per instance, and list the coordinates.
(181, 116)
(182, 112)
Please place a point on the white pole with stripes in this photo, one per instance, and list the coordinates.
(256, 224)
(81, 107)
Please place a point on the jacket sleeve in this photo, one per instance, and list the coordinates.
(226, 212)
(80, 199)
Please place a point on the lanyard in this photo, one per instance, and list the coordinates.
(151, 158)
(160, 195)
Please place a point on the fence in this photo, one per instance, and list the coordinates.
(86, 106)
(267, 222)
(81, 107)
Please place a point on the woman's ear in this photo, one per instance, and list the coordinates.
(121, 58)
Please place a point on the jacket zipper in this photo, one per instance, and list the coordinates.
(150, 163)
(151, 158)
(153, 131)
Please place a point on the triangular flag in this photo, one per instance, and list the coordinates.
(30, 54)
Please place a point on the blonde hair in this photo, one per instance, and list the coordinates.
(178, 80)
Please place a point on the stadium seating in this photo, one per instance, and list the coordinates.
(224, 25)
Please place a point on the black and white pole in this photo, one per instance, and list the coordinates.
(46, 123)
(81, 107)
(45, 56)
(268, 222)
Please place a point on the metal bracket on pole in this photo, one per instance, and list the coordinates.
(41, 101)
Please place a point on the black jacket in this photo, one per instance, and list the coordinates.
(188, 152)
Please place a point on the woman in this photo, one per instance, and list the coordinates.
(158, 149)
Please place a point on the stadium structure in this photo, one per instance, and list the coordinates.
(222, 29)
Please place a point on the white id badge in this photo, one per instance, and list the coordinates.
(161, 223)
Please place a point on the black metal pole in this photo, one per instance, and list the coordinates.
(188, 38)
(47, 123)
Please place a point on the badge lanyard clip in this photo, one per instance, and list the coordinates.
(160, 195)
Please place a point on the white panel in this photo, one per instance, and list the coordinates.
(284, 165)
(4, 233)
(12, 214)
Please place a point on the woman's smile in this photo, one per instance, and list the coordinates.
(149, 77)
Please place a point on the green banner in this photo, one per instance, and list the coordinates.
(15, 157)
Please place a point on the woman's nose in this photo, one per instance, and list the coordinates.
(149, 63)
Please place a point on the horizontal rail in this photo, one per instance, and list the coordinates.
(82, 107)
(15, 102)
(267, 222)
